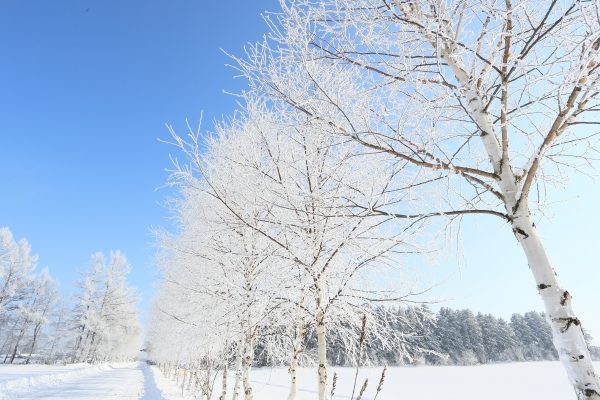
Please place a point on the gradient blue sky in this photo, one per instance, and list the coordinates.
(85, 90)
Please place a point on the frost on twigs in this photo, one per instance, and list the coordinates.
(276, 242)
(483, 106)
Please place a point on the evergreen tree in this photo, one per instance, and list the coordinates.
(544, 348)
(448, 334)
(473, 339)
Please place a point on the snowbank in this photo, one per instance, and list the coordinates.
(157, 387)
(32, 376)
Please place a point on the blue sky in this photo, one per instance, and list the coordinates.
(86, 88)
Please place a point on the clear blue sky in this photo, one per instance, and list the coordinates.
(85, 90)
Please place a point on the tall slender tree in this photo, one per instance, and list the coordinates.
(487, 102)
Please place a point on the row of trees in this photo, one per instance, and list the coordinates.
(365, 121)
(460, 337)
(269, 251)
(451, 337)
(465, 338)
(36, 325)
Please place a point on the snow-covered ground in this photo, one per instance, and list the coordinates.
(542, 380)
(12, 372)
(102, 382)
(530, 380)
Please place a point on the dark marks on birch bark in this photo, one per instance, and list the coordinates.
(543, 286)
(565, 296)
(568, 321)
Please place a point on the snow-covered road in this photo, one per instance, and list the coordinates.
(121, 381)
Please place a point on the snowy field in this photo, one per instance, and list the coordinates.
(531, 380)
(541, 380)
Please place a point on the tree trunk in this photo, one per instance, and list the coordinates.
(6, 344)
(36, 330)
(209, 384)
(247, 366)
(224, 379)
(294, 362)
(18, 342)
(19, 338)
(238, 371)
(183, 382)
(196, 381)
(567, 333)
(78, 354)
(191, 375)
(322, 351)
(14, 354)
(90, 349)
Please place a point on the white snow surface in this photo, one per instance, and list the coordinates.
(13, 372)
(531, 380)
(101, 382)
(526, 380)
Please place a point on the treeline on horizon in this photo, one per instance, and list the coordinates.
(447, 337)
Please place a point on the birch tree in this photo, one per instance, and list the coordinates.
(16, 266)
(489, 102)
(218, 264)
(302, 183)
(28, 300)
(106, 317)
(34, 312)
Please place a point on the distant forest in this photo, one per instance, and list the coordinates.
(449, 337)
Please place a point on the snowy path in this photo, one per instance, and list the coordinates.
(122, 381)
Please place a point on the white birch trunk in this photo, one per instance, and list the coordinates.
(246, 367)
(224, 379)
(207, 385)
(238, 371)
(322, 352)
(567, 333)
(294, 362)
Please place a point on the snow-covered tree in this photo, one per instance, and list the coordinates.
(487, 102)
(37, 311)
(16, 266)
(214, 263)
(35, 324)
(534, 336)
(30, 316)
(60, 334)
(27, 301)
(499, 340)
(421, 343)
(105, 317)
(294, 193)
